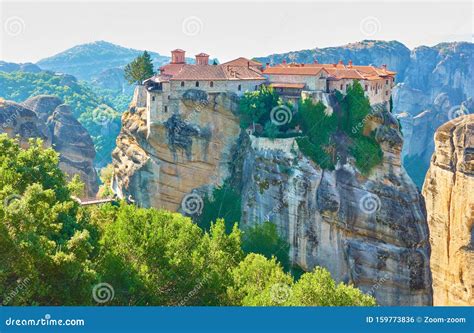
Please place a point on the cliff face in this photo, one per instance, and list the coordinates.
(449, 195)
(369, 231)
(432, 84)
(187, 152)
(46, 117)
(438, 87)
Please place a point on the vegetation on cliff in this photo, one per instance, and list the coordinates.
(144, 256)
(324, 137)
(139, 69)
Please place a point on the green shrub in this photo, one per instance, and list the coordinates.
(264, 239)
(367, 153)
(225, 203)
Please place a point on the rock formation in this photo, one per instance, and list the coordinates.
(370, 231)
(449, 195)
(433, 83)
(190, 151)
(46, 117)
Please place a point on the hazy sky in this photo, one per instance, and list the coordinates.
(225, 29)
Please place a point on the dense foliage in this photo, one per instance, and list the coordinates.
(264, 239)
(53, 252)
(356, 111)
(92, 107)
(318, 128)
(224, 203)
(139, 69)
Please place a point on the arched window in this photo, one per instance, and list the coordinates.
(152, 98)
(211, 84)
(182, 83)
(166, 108)
(239, 87)
(197, 83)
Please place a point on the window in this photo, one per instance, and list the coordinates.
(211, 84)
(239, 87)
(386, 93)
(366, 87)
(153, 98)
(342, 87)
(166, 108)
(256, 87)
(169, 97)
(386, 81)
(197, 83)
(182, 83)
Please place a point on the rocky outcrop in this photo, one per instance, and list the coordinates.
(432, 84)
(438, 87)
(158, 165)
(369, 231)
(449, 195)
(46, 117)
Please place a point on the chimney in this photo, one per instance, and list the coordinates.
(177, 56)
(268, 64)
(315, 61)
(350, 63)
(384, 66)
(202, 59)
(340, 62)
(284, 62)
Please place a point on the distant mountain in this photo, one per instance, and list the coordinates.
(435, 84)
(13, 67)
(88, 61)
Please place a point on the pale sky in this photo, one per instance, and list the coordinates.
(32, 30)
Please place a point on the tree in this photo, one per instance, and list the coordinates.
(319, 289)
(264, 239)
(258, 281)
(139, 69)
(225, 203)
(40, 229)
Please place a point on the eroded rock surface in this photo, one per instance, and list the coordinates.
(190, 150)
(369, 231)
(449, 195)
(46, 117)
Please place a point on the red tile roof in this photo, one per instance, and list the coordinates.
(336, 71)
(243, 62)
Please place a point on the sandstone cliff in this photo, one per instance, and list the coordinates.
(370, 231)
(189, 151)
(449, 195)
(46, 117)
(432, 84)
